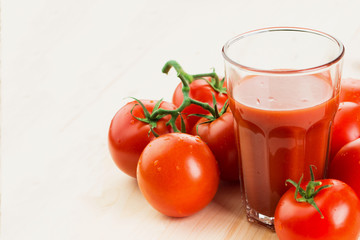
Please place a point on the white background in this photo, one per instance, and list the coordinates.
(67, 67)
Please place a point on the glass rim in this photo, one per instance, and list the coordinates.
(283, 29)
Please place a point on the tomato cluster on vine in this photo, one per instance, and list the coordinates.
(178, 151)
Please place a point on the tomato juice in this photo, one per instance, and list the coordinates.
(283, 125)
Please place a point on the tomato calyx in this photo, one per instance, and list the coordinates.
(148, 117)
(215, 114)
(215, 82)
(309, 193)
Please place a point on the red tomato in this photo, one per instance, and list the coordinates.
(346, 165)
(220, 137)
(200, 90)
(346, 127)
(178, 174)
(350, 90)
(128, 136)
(338, 204)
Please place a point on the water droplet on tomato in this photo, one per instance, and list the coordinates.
(156, 162)
(304, 100)
(272, 99)
(159, 169)
(132, 121)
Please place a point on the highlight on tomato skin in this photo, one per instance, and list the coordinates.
(219, 135)
(350, 90)
(346, 126)
(178, 174)
(346, 165)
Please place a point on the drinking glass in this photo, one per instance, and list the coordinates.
(283, 86)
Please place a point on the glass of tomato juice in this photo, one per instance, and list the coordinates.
(283, 87)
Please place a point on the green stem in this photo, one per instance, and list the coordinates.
(186, 102)
(205, 106)
(180, 71)
(215, 82)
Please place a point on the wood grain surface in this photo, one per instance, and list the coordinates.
(68, 66)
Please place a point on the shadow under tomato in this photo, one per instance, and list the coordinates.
(229, 197)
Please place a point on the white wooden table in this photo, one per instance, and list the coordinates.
(67, 67)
